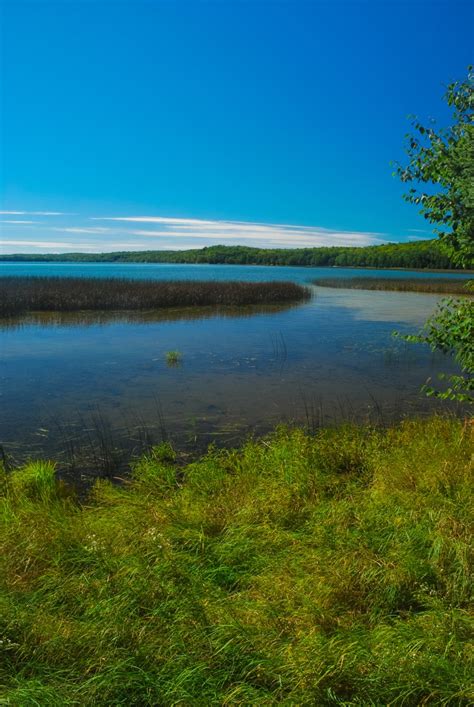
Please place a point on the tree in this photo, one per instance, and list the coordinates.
(451, 330)
(444, 159)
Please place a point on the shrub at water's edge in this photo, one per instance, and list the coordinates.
(416, 284)
(451, 330)
(326, 569)
(72, 294)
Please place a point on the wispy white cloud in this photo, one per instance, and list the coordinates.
(273, 238)
(37, 244)
(151, 219)
(72, 229)
(214, 224)
(80, 246)
(49, 213)
(13, 221)
(144, 232)
(259, 234)
(34, 213)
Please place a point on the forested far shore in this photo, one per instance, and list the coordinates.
(417, 255)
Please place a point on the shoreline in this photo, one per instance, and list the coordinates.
(454, 271)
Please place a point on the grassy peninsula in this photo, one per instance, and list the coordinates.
(448, 286)
(71, 294)
(419, 254)
(299, 569)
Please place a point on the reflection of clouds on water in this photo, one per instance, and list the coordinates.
(377, 306)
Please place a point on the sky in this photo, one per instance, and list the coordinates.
(168, 124)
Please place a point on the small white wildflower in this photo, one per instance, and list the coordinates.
(153, 534)
(93, 545)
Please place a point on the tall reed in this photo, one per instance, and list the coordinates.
(453, 286)
(70, 294)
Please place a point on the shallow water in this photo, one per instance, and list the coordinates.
(242, 370)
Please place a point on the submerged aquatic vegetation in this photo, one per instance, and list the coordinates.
(304, 569)
(72, 294)
(452, 285)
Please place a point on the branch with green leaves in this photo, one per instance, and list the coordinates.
(441, 167)
(451, 330)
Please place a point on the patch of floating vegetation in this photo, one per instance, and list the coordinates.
(448, 286)
(20, 295)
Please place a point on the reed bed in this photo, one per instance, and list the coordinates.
(20, 295)
(447, 286)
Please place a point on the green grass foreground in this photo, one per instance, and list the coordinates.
(302, 570)
(19, 295)
(416, 284)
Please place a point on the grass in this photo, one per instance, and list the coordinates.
(298, 569)
(19, 295)
(416, 284)
(173, 358)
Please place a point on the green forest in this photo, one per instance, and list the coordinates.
(421, 254)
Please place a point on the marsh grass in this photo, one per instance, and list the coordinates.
(298, 569)
(72, 294)
(173, 358)
(409, 284)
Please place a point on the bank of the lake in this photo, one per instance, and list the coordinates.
(299, 569)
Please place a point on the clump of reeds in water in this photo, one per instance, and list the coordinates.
(448, 286)
(70, 294)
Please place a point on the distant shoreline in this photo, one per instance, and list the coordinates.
(419, 255)
(259, 265)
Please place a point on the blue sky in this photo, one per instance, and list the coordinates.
(172, 124)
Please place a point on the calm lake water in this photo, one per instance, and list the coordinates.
(65, 378)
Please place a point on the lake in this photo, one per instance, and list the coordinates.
(93, 377)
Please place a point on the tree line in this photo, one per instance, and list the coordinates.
(420, 254)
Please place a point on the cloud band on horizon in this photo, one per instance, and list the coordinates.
(171, 233)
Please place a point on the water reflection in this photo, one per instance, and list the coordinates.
(382, 306)
(171, 314)
(243, 369)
